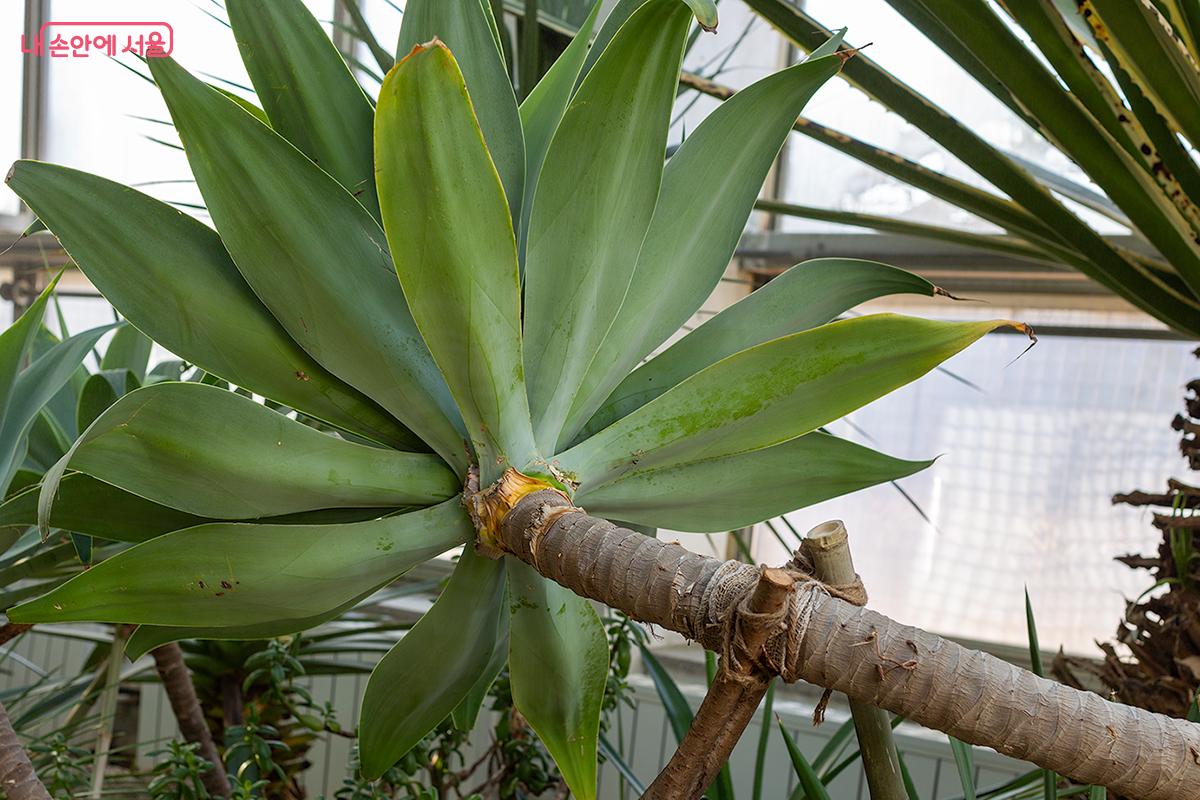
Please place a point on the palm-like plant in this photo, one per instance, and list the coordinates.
(543, 251)
(1113, 84)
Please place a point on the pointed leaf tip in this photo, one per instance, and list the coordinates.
(705, 12)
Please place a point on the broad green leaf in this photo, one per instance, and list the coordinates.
(466, 712)
(424, 677)
(708, 191)
(214, 453)
(314, 256)
(803, 297)
(34, 388)
(306, 89)
(558, 665)
(97, 395)
(171, 277)
(231, 574)
(721, 494)
(90, 506)
(16, 343)
(61, 408)
(705, 12)
(461, 280)
(593, 206)
(246, 105)
(771, 393)
(148, 637)
(542, 110)
(47, 443)
(964, 760)
(466, 28)
(128, 350)
(810, 785)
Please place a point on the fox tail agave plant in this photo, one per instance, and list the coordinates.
(543, 250)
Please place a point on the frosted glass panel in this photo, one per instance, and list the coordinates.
(1021, 493)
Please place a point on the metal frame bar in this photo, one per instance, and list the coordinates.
(27, 280)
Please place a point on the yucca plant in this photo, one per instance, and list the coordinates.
(1113, 84)
(1116, 103)
(543, 251)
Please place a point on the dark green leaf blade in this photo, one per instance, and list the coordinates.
(34, 388)
(230, 574)
(424, 677)
(214, 453)
(734, 491)
(542, 110)
(594, 202)
(810, 785)
(171, 277)
(558, 665)
(461, 280)
(467, 29)
(306, 89)
(313, 255)
(708, 191)
(16, 343)
(129, 350)
(97, 395)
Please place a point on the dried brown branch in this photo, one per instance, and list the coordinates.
(12, 630)
(177, 682)
(731, 701)
(18, 781)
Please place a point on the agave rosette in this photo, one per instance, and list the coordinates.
(544, 251)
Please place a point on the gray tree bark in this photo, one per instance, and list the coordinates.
(17, 778)
(872, 659)
(177, 682)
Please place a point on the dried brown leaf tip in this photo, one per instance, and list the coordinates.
(940, 292)
(1028, 331)
(851, 52)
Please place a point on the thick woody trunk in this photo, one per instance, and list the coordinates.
(18, 781)
(870, 658)
(177, 682)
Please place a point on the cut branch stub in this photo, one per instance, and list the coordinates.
(828, 546)
(968, 694)
(733, 698)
